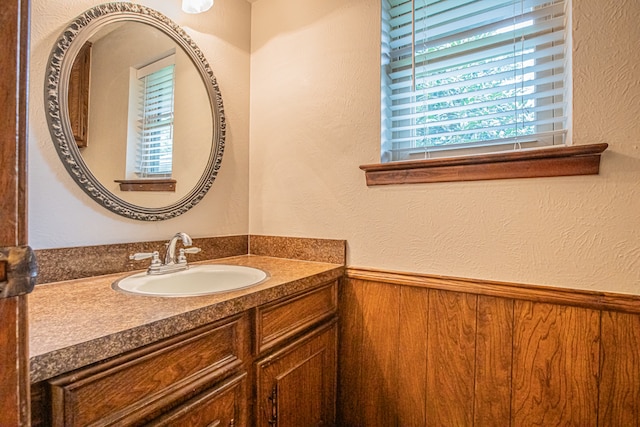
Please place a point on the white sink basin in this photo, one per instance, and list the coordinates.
(196, 280)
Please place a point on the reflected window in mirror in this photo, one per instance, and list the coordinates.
(151, 114)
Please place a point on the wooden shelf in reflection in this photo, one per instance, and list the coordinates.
(147, 184)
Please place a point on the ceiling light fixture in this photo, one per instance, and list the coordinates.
(196, 6)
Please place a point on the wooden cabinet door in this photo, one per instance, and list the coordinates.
(223, 406)
(296, 386)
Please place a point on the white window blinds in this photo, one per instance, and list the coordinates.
(155, 145)
(464, 74)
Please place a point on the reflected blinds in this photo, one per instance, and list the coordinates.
(461, 73)
(155, 148)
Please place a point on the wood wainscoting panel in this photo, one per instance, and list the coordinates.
(379, 352)
(451, 348)
(369, 347)
(412, 356)
(555, 365)
(619, 403)
(494, 354)
(350, 368)
(429, 351)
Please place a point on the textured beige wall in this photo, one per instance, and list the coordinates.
(315, 119)
(62, 215)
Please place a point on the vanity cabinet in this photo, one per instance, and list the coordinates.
(296, 385)
(273, 365)
(135, 388)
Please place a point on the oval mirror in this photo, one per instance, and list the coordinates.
(134, 111)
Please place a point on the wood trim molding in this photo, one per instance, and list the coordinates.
(554, 295)
(14, 331)
(554, 161)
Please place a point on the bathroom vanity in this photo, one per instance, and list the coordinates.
(262, 356)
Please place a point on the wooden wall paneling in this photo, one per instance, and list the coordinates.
(555, 365)
(492, 354)
(493, 362)
(412, 356)
(380, 309)
(350, 387)
(619, 400)
(596, 300)
(451, 358)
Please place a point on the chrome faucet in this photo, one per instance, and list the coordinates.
(170, 257)
(171, 261)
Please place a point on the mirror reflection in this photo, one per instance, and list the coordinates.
(149, 116)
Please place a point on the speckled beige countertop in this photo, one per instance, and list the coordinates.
(79, 322)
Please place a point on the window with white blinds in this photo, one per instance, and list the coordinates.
(484, 75)
(154, 152)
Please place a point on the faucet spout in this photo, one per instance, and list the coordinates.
(170, 257)
(172, 262)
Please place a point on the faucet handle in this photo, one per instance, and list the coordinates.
(155, 260)
(182, 259)
(144, 255)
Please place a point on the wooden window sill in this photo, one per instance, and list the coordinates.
(555, 161)
(147, 184)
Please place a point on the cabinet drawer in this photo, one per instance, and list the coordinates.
(223, 406)
(278, 321)
(136, 386)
